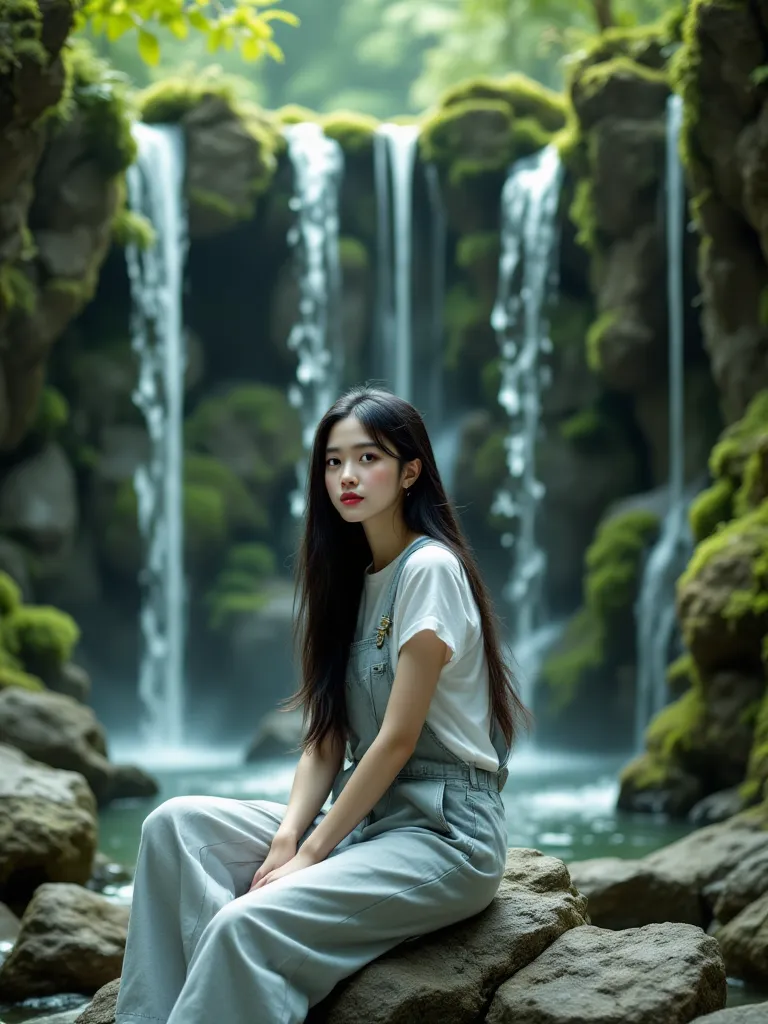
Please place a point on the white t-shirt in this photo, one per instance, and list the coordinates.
(434, 593)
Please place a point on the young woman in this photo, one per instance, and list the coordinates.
(251, 910)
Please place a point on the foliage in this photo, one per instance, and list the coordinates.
(42, 637)
(240, 24)
(10, 594)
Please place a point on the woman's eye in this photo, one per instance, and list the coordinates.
(369, 455)
(330, 462)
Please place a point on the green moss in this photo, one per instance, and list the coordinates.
(643, 44)
(10, 594)
(353, 254)
(239, 586)
(471, 137)
(580, 652)
(613, 562)
(528, 137)
(569, 322)
(100, 95)
(685, 71)
(203, 473)
(673, 732)
(205, 522)
(711, 508)
(168, 100)
(583, 216)
(683, 674)
(23, 680)
(129, 228)
(353, 132)
(527, 98)
(52, 414)
(740, 440)
(41, 637)
(20, 35)
(205, 199)
(75, 290)
(293, 113)
(585, 427)
(594, 78)
(477, 248)
(463, 310)
(596, 336)
(648, 772)
(17, 292)
(745, 538)
(259, 414)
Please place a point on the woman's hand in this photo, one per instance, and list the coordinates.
(282, 850)
(300, 860)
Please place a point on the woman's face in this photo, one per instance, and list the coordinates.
(362, 480)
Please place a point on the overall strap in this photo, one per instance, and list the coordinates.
(389, 604)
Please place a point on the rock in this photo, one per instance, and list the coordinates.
(279, 733)
(629, 894)
(744, 942)
(47, 826)
(752, 152)
(228, 161)
(600, 976)
(71, 940)
(755, 1014)
(447, 976)
(716, 807)
(62, 733)
(710, 854)
(621, 85)
(716, 639)
(14, 560)
(102, 1009)
(38, 501)
(9, 924)
(628, 162)
(651, 787)
(744, 885)
(72, 681)
(65, 1017)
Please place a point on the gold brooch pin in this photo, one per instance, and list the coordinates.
(382, 630)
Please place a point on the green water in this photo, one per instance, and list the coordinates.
(562, 805)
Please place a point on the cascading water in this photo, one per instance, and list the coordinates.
(156, 190)
(527, 283)
(656, 603)
(395, 159)
(318, 165)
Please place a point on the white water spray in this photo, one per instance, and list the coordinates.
(318, 165)
(656, 619)
(156, 190)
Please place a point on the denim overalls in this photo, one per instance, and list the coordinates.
(431, 852)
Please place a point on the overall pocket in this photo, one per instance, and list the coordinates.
(419, 803)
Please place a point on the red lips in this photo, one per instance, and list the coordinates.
(351, 499)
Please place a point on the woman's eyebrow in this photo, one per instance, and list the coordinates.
(360, 444)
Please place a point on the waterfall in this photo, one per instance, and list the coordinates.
(394, 162)
(318, 166)
(655, 611)
(527, 283)
(156, 190)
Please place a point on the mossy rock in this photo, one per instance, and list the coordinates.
(470, 138)
(678, 727)
(20, 40)
(52, 414)
(252, 429)
(41, 637)
(205, 473)
(741, 455)
(586, 428)
(653, 784)
(527, 98)
(711, 509)
(170, 99)
(294, 113)
(10, 594)
(682, 674)
(129, 228)
(619, 87)
(17, 290)
(614, 562)
(723, 595)
(353, 132)
(100, 95)
(238, 588)
(24, 680)
(576, 659)
(647, 45)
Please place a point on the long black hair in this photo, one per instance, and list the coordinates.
(334, 555)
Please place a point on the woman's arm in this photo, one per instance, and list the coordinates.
(312, 783)
(418, 669)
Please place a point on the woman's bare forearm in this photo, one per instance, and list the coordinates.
(312, 783)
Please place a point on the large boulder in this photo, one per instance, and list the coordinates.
(590, 974)
(61, 732)
(71, 940)
(744, 885)
(623, 893)
(744, 942)
(47, 826)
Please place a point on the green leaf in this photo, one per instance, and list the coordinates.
(286, 16)
(149, 48)
(118, 25)
(274, 51)
(198, 21)
(179, 27)
(251, 49)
